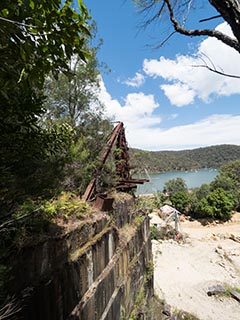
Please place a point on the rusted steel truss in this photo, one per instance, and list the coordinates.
(121, 157)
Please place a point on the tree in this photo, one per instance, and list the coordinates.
(229, 180)
(178, 192)
(218, 204)
(180, 200)
(206, 202)
(223, 181)
(37, 37)
(196, 196)
(73, 98)
(203, 191)
(175, 185)
(232, 170)
(178, 12)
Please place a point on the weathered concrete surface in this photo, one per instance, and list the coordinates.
(92, 271)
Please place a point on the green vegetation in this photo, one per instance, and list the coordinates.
(176, 190)
(216, 205)
(180, 200)
(139, 303)
(149, 271)
(218, 199)
(65, 205)
(35, 220)
(52, 130)
(229, 289)
(215, 201)
(138, 220)
(154, 309)
(162, 161)
(51, 120)
(52, 123)
(155, 233)
(175, 185)
(149, 203)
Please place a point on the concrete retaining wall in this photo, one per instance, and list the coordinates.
(93, 271)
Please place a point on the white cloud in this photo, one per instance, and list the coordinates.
(183, 84)
(197, 81)
(214, 130)
(143, 131)
(136, 81)
(136, 112)
(179, 94)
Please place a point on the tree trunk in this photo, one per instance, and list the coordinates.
(230, 11)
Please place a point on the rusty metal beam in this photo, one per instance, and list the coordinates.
(92, 185)
(126, 182)
(111, 142)
(137, 181)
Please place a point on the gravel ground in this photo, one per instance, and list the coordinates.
(184, 271)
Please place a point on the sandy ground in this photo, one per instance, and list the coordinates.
(185, 271)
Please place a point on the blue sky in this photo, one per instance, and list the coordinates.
(165, 102)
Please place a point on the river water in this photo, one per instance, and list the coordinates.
(193, 179)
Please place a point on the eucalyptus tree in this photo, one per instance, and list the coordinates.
(73, 97)
(37, 37)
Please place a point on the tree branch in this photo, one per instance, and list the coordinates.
(230, 12)
(211, 18)
(205, 32)
(165, 40)
(10, 309)
(17, 23)
(213, 68)
(216, 71)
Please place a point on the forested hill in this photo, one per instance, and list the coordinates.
(162, 161)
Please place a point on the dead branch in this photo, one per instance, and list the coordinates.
(204, 32)
(216, 71)
(165, 40)
(211, 18)
(10, 309)
(213, 68)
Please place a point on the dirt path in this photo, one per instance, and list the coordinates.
(185, 271)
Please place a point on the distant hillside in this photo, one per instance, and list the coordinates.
(162, 161)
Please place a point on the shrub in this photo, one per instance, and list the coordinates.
(180, 200)
(218, 204)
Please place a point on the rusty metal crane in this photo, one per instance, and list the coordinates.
(125, 181)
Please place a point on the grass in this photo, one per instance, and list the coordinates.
(229, 289)
(37, 220)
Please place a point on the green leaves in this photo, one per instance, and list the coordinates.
(22, 53)
(37, 32)
(218, 199)
(42, 153)
(5, 12)
(218, 204)
(32, 4)
(180, 200)
(175, 185)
